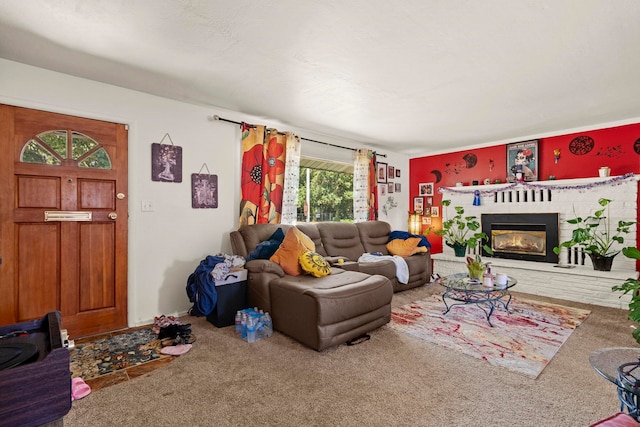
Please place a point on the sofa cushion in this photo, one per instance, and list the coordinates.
(374, 236)
(295, 243)
(255, 234)
(403, 248)
(314, 264)
(310, 230)
(266, 249)
(341, 239)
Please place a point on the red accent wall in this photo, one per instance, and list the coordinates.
(617, 147)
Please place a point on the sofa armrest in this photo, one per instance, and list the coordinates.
(237, 244)
(264, 266)
(386, 268)
(261, 273)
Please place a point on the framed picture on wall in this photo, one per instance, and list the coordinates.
(418, 204)
(382, 189)
(397, 173)
(397, 187)
(391, 188)
(392, 172)
(204, 191)
(435, 211)
(382, 173)
(166, 163)
(426, 189)
(522, 158)
(426, 220)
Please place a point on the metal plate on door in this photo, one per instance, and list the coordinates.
(67, 216)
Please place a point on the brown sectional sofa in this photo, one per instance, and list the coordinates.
(331, 310)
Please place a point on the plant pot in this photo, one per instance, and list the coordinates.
(602, 263)
(476, 272)
(459, 249)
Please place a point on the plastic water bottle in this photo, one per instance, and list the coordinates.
(251, 329)
(243, 328)
(238, 322)
(268, 325)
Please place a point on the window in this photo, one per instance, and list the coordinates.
(329, 193)
(57, 146)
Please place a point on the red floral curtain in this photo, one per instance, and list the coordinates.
(263, 155)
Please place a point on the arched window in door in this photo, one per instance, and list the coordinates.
(58, 147)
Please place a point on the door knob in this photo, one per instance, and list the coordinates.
(112, 215)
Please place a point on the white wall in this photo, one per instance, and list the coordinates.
(165, 245)
(399, 215)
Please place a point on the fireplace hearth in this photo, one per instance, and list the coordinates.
(522, 236)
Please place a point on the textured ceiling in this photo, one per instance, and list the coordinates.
(412, 76)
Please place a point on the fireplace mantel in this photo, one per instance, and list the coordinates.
(568, 198)
(574, 184)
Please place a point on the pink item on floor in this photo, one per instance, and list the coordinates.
(79, 388)
(164, 321)
(176, 350)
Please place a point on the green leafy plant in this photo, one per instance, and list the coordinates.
(596, 234)
(462, 230)
(632, 286)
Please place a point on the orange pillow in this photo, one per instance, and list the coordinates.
(403, 248)
(295, 243)
(420, 250)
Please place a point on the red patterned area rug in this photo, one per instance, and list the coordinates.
(523, 341)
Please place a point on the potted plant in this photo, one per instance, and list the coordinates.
(632, 286)
(476, 267)
(596, 235)
(461, 231)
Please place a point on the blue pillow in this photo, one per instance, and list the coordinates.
(266, 249)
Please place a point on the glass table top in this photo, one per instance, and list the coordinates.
(607, 360)
(462, 282)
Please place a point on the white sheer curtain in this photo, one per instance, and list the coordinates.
(291, 179)
(361, 185)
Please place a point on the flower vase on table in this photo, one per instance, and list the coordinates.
(476, 268)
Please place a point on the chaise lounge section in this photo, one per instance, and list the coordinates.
(326, 311)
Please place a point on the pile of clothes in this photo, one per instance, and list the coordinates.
(201, 288)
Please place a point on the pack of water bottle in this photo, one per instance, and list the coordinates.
(253, 324)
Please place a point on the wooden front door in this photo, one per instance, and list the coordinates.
(63, 220)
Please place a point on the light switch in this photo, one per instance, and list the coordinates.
(147, 206)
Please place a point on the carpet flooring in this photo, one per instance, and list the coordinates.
(393, 379)
(523, 341)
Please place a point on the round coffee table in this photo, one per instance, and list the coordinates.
(606, 362)
(463, 290)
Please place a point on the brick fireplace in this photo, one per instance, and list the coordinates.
(571, 276)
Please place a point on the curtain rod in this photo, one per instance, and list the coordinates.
(218, 118)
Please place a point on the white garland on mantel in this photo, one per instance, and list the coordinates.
(580, 184)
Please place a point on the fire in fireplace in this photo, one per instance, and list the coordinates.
(522, 236)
